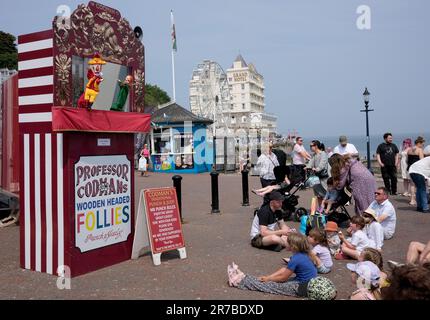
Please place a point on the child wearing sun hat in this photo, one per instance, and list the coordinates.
(366, 275)
(333, 239)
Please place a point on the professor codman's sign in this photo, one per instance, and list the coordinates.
(102, 201)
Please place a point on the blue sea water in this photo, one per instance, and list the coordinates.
(360, 142)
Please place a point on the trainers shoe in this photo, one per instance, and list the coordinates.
(278, 248)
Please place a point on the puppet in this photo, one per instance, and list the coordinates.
(95, 77)
(123, 94)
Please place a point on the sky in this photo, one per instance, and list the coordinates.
(314, 59)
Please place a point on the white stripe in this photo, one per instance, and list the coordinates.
(48, 201)
(36, 99)
(35, 117)
(38, 217)
(35, 45)
(35, 82)
(35, 63)
(27, 232)
(60, 212)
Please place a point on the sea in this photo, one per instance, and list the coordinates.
(360, 141)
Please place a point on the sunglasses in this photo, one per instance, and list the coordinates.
(312, 145)
(378, 193)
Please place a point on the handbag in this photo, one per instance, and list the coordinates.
(322, 174)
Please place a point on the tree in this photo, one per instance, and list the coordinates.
(8, 51)
(155, 96)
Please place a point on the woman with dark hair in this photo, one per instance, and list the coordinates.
(347, 171)
(319, 162)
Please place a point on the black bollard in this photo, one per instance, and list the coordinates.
(214, 186)
(177, 180)
(245, 189)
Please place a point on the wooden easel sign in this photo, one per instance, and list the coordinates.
(164, 228)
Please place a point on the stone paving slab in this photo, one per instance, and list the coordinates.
(212, 242)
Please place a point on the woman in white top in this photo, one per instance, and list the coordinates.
(373, 228)
(407, 144)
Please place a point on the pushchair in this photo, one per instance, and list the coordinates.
(291, 200)
(338, 213)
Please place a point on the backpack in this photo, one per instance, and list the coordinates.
(312, 221)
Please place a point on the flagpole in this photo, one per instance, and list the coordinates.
(173, 55)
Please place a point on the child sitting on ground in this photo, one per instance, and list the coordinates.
(375, 256)
(282, 281)
(366, 276)
(331, 196)
(320, 253)
(373, 229)
(333, 239)
(352, 247)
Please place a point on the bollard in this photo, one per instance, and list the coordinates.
(214, 186)
(245, 189)
(177, 184)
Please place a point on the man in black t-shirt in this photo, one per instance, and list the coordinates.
(387, 155)
(269, 230)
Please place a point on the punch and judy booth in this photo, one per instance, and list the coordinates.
(77, 176)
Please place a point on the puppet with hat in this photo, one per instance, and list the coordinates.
(95, 77)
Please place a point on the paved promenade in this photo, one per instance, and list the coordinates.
(212, 241)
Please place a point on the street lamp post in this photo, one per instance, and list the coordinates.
(366, 95)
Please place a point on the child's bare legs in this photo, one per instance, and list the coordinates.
(265, 190)
(350, 252)
(329, 204)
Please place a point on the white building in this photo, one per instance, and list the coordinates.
(247, 98)
(6, 74)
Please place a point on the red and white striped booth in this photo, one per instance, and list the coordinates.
(76, 178)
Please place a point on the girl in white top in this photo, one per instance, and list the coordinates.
(373, 229)
(353, 246)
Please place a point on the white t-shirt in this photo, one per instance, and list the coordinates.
(427, 150)
(349, 148)
(389, 224)
(421, 167)
(375, 232)
(360, 241)
(297, 158)
(323, 253)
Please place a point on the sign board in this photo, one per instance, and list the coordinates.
(163, 230)
(102, 201)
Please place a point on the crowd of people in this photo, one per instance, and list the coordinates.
(374, 222)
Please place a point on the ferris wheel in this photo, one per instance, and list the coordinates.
(210, 94)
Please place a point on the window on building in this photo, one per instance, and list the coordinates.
(162, 143)
(243, 106)
(183, 143)
(243, 86)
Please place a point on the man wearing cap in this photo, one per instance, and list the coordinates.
(269, 230)
(385, 212)
(345, 148)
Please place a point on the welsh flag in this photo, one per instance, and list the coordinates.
(173, 33)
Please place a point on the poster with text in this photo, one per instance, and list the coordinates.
(164, 222)
(102, 201)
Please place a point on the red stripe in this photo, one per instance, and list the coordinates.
(32, 207)
(39, 127)
(54, 205)
(22, 203)
(42, 203)
(39, 72)
(30, 91)
(35, 108)
(36, 36)
(37, 54)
